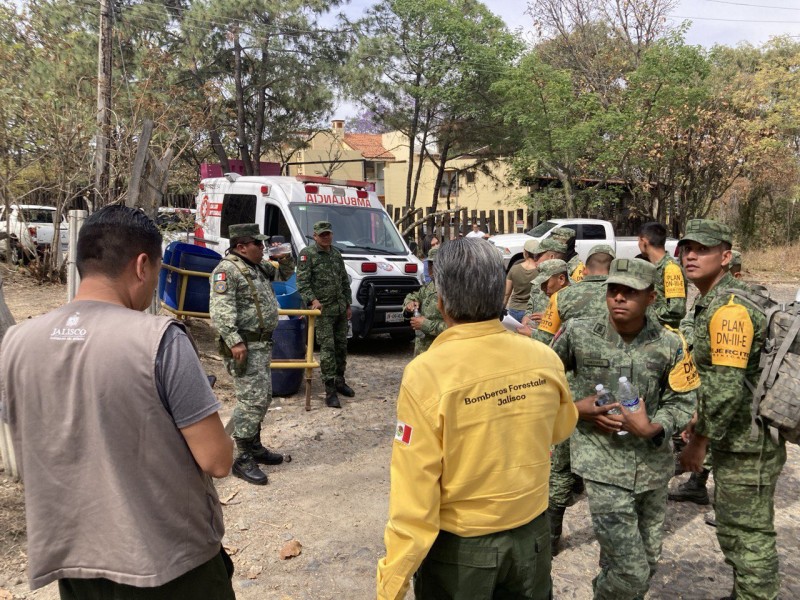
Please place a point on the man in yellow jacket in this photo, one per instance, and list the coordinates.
(477, 414)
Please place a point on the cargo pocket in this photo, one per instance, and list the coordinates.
(454, 570)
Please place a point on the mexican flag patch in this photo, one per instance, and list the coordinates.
(403, 433)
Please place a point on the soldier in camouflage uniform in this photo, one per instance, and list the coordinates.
(552, 277)
(670, 305)
(575, 266)
(244, 312)
(322, 282)
(729, 335)
(426, 300)
(627, 476)
(549, 249)
(584, 299)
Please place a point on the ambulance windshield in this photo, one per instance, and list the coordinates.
(365, 230)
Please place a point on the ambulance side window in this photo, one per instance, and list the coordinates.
(237, 208)
(275, 222)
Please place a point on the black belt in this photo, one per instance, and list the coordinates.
(256, 336)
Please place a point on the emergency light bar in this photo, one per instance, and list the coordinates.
(366, 185)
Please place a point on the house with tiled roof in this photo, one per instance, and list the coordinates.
(470, 181)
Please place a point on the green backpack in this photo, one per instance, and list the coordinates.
(776, 396)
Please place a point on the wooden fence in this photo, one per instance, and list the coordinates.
(459, 222)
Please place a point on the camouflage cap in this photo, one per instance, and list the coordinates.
(563, 234)
(634, 273)
(531, 247)
(322, 227)
(553, 244)
(602, 249)
(707, 232)
(736, 259)
(243, 230)
(549, 268)
(433, 252)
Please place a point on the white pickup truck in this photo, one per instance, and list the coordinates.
(27, 231)
(588, 233)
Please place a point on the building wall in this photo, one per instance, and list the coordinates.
(484, 192)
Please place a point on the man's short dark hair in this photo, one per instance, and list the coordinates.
(599, 261)
(655, 233)
(112, 237)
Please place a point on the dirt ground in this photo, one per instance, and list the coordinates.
(333, 496)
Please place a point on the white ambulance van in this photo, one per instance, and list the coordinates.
(381, 267)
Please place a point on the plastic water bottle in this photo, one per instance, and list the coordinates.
(628, 397)
(418, 332)
(604, 397)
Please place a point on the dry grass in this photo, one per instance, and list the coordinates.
(776, 263)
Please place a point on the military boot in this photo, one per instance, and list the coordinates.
(331, 399)
(556, 514)
(244, 467)
(693, 490)
(262, 455)
(343, 388)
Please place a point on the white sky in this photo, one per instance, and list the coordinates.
(727, 22)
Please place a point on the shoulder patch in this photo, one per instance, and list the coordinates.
(674, 286)
(551, 322)
(303, 257)
(731, 335)
(684, 376)
(220, 286)
(403, 433)
(579, 273)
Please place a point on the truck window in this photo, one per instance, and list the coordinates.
(236, 208)
(592, 232)
(542, 228)
(275, 223)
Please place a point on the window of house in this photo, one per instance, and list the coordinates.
(449, 186)
(470, 176)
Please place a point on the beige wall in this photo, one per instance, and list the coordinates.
(327, 146)
(483, 193)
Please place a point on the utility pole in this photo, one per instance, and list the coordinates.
(103, 136)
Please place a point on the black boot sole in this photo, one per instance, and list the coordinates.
(269, 461)
(242, 475)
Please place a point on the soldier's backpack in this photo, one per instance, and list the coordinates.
(776, 396)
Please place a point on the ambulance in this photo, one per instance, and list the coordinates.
(380, 266)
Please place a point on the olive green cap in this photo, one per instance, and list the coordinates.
(736, 259)
(563, 234)
(549, 268)
(707, 232)
(602, 249)
(553, 244)
(322, 227)
(433, 252)
(531, 247)
(242, 230)
(634, 273)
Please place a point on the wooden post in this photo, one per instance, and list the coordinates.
(430, 224)
(501, 222)
(512, 224)
(76, 219)
(6, 447)
(530, 221)
(492, 226)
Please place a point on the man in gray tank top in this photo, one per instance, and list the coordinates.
(118, 437)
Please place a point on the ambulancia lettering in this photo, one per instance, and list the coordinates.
(341, 200)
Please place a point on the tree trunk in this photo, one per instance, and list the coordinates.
(241, 129)
(440, 176)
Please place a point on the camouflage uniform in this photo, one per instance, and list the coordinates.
(670, 305)
(729, 335)
(434, 323)
(575, 266)
(322, 276)
(626, 477)
(584, 299)
(235, 316)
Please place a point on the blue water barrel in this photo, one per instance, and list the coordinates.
(286, 293)
(288, 341)
(190, 258)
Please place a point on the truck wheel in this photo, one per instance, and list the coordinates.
(17, 255)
